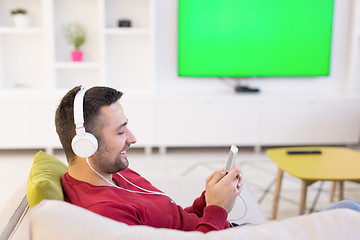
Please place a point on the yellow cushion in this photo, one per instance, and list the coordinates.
(44, 181)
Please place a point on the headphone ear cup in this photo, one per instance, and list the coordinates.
(85, 145)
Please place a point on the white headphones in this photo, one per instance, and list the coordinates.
(84, 144)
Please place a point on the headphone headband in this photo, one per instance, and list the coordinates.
(84, 144)
(79, 110)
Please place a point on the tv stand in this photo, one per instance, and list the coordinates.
(246, 89)
(241, 86)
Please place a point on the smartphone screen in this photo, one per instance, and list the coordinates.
(232, 158)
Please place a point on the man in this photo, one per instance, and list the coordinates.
(103, 183)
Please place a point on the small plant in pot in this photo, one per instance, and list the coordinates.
(75, 34)
(20, 17)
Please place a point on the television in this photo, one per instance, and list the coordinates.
(254, 38)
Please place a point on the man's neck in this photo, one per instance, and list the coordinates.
(82, 172)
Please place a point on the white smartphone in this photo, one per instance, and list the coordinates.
(232, 158)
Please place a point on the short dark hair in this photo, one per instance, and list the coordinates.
(94, 99)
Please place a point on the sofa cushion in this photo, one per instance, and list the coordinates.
(55, 220)
(44, 181)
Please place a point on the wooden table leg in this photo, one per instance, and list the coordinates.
(277, 193)
(332, 193)
(341, 190)
(304, 185)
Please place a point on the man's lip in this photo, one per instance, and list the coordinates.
(124, 154)
(125, 149)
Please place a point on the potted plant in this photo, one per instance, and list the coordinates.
(75, 34)
(20, 17)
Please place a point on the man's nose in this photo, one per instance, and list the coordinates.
(131, 139)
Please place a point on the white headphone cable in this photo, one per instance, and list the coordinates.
(133, 184)
(146, 191)
(133, 191)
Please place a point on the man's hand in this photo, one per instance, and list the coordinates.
(222, 189)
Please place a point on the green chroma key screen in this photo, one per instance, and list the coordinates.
(251, 38)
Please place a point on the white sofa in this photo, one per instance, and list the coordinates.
(15, 215)
(52, 219)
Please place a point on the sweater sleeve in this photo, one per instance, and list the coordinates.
(214, 219)
(198, 206)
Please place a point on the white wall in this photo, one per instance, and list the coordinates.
(166, 62)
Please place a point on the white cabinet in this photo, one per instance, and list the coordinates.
(258, 121)
(310, 121)
(27, 120)
(24, 123)
(207, 121)
(140, 111)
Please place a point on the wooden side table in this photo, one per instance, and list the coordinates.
(333, 164)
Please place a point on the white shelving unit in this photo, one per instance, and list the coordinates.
(38, 57)
(127, 67)
(354, 50)
(36, 69)
(21, 51)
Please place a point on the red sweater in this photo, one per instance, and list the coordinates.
(143, 209)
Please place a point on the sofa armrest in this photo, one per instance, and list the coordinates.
(13, 212)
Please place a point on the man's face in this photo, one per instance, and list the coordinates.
(115, 139)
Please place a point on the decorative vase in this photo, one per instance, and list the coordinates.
(76, 56)
(21, 20)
